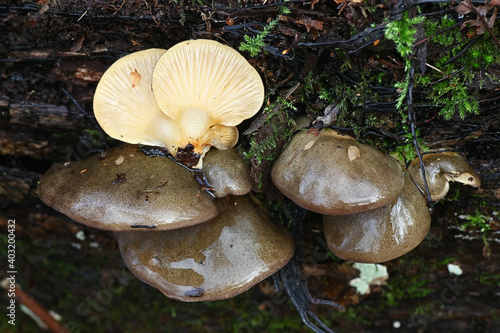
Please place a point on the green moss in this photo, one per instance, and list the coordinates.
(406, 149)
(277, 127)
(446, 83)
(490, 280)
(402, 33)
(285, 10)
(434, 27)
(254, 44)
(403, 286)
(477, 221)
(411, 287)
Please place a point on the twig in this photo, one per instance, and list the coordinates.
(435, 34)
(84, 13)
(446, 76)
(483, 21)
(82, 110)
(412, 120)
(462, 51)
(38, 310)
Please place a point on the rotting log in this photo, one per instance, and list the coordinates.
(52, 55)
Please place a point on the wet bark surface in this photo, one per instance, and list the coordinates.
(52, 55)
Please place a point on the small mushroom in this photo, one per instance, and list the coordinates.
(440, 169)
(380, 234)
(186, 99)
(126, 189)
(332, 174)
(227, 172)
(210, 261)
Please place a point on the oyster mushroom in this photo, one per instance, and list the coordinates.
(380, 234)
(186, 99)
(210, 261)
(126, 189)
(227, 172)
(332, 174)
(440, 169)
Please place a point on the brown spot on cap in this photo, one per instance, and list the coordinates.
(135, 77)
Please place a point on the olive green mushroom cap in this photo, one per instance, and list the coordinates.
(440, 169)
(380, 234)
(125, 189)
(227, 172)
(215, 260)
(332, 174)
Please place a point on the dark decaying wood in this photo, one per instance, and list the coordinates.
(53, 53)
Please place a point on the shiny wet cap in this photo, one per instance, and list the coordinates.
(380, 234)
(215, 260)
(332, 174)
(124, 189)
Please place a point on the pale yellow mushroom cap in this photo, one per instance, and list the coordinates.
(124, 103)
(193, 94)
(207, 88)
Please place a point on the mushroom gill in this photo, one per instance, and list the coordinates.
(185, 99)
(440, 169)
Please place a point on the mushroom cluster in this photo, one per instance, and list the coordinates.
(186, 99)
(372, 210)
(190, 243)
(203, 238)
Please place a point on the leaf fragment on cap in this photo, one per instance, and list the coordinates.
(353, 153)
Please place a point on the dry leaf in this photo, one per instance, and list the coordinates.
(308, 145)
(310, 23)
(466, 7)
(483, 11)
(353, 153)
